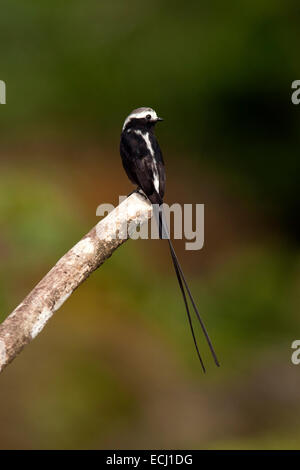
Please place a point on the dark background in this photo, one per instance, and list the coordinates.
(115, 367)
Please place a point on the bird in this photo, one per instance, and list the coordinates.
(143, 163)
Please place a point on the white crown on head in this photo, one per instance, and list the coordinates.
(140, 113)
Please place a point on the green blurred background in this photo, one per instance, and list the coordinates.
(116, 367)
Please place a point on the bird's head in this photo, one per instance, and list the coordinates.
(141, 118)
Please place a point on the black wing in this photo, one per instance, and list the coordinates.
(140, 165)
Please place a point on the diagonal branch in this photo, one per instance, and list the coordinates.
(30, 317)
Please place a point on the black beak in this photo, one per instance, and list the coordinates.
(159, 119)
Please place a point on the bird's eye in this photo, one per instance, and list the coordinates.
(148, 116)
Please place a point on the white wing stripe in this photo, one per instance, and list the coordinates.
(151, 151)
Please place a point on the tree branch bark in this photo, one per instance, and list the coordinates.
(30, 317)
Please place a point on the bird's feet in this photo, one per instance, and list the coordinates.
(138, 190)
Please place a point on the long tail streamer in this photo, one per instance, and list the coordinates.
(164, 233)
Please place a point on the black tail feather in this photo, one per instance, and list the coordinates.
(187, 310)
(163, 233)
(175, 259)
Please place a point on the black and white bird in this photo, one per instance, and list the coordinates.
(143, 162)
